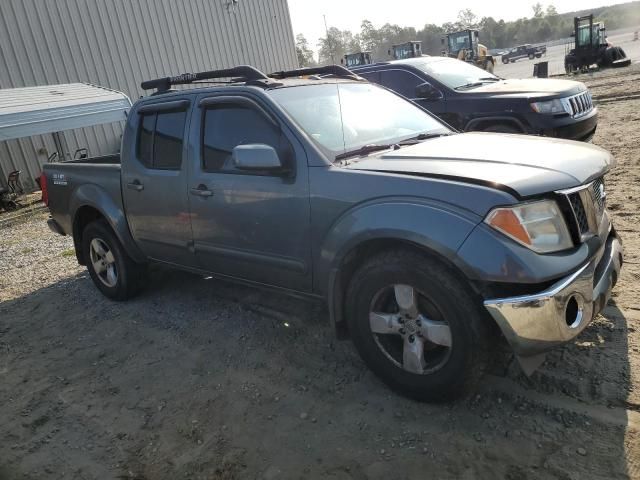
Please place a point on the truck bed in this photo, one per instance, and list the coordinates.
(91, 179)
(103, 159)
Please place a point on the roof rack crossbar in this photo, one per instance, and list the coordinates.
(336, 70)
(245, 72)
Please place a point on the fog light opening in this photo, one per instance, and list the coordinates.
(573, 312)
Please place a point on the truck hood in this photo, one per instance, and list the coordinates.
(523, 165)
(531, 88)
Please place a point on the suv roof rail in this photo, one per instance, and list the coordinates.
(246, 72)
(335, 70)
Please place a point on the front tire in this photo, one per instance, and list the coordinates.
(113, 272)
(417, 326)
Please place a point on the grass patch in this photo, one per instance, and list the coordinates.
(24, 251)
(70, 252)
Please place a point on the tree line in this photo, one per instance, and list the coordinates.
(544, 25)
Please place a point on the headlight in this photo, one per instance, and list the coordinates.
(537, 225)
(550, 106)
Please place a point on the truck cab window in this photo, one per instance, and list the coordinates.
(161, 139)
(145, 141)
(226, 127)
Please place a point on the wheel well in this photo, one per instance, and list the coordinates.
(84, 216)
(481, 125)
(366, 250)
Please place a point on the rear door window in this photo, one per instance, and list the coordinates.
(161, 140)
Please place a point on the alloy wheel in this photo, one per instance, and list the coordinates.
(409, 329)
(103, 262)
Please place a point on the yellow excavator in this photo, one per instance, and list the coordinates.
(464, 45)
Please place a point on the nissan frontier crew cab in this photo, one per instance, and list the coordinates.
(430, 247)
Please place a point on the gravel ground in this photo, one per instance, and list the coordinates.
(198, 378)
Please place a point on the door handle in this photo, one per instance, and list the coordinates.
(201, 191)
(135, 185)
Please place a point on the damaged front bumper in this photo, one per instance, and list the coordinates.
(534, 324)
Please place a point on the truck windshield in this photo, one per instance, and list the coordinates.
(455, 73)
(343, 117)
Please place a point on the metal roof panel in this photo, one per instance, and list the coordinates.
(29, 111)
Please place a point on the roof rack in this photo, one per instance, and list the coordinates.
(335, 70)
(245, 72)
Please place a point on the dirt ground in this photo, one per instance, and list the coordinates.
(198, 378)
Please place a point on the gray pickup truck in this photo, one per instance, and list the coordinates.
(431, 248)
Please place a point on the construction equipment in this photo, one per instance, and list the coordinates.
(357, 59)
(590, 46)
(406, 50)
(464, 45)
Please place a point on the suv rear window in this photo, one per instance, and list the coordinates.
(161, 139)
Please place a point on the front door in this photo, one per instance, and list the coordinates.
(154, 183)
(249, 225)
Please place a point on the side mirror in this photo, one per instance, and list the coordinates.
(428, 92)
(256, 156)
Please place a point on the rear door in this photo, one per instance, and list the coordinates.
(154, 182)
(253, 226)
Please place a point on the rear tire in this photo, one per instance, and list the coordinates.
(531, 56)
(113, 272)
(448, 329)
(505, 61)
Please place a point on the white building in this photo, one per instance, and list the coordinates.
(118, 44)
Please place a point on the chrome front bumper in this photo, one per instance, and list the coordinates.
(534, 324)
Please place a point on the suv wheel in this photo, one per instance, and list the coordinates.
(505, 60)
(416, 326)
(115, 274)
(532, 56)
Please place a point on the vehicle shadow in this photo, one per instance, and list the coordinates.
(200, 377)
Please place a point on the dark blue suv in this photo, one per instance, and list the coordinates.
(471, 99)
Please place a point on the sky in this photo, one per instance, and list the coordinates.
(306, 15)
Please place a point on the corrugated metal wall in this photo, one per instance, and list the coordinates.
(119, 43)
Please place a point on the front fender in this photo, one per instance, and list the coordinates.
(440, 228)
(94, 196)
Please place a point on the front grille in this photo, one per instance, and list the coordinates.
(580, 104)
(599, 194)
(579, 212)
(587, 205)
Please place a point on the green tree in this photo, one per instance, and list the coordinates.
(334, 46)
(305, 54)
(538, 11)
(551, 10)
(466, 19)
(369, 37)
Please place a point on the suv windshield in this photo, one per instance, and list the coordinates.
(342, 117)
(455, 73)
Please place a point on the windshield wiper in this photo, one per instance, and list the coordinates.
(479, 83)
(424, 136)
(469, 85)
(365, 149)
